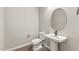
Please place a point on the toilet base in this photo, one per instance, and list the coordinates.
(36, 47)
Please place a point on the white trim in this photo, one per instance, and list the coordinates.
(14, 48)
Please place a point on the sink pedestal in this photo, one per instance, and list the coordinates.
(55, 41)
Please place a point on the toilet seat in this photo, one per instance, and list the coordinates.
(36, 41)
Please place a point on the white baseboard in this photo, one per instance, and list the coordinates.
(14, 48)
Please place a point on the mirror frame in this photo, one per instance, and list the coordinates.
(51, 19)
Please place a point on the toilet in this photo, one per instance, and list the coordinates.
(37, 42)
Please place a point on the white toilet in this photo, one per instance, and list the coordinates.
(37, 42)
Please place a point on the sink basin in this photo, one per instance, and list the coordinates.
(57, 38)
(54, 41)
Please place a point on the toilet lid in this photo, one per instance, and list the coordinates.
(36, 41)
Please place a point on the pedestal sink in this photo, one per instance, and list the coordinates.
(55, 41)
(57, 38)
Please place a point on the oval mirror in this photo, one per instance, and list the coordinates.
(58, 19)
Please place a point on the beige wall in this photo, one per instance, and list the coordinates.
(71, 30)
(2, 28)
(19, 23)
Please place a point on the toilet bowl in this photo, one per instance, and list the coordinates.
(37, 44)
